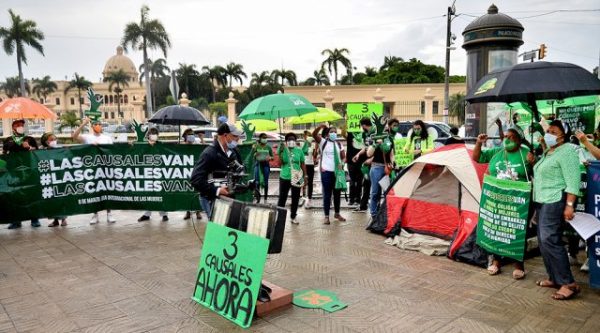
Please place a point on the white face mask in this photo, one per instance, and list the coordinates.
(291, 144)
(153, 137)
(20, 130)
(52, 144)
(190, 138)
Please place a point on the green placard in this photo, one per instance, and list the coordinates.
(230, 272)
(401, 157)
(503, 212)
(579, 117)
(357, 111)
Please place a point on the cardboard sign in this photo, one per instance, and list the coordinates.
(594, 260)
(357, 111)
(230, 273)
(578, 117)
(401, 157)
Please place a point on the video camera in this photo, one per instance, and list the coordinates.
(235, 178)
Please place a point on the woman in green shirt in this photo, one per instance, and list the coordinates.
(263, 154)
(512, 161)
(419, 142)
(293, 173)
(555, 189)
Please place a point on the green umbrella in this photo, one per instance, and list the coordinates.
(322, 115)
(277, 106)
(260, 124)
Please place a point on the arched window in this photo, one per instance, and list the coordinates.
(105, 115)
(126, 99)
(121, 99)
(111, 99)
(105, 99)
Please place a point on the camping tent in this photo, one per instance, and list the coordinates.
(438, 195)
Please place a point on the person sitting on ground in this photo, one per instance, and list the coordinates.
(97, 137)
(512, 161)
(454, 138)
(49, 141)
(293, 173)
(152, 139)
(19, 142)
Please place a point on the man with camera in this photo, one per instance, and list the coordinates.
(211, 171)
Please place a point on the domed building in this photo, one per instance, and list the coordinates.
(120, 61)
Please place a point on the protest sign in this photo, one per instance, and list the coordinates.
(578, 117)
(401, 157)
(230, 272)
(503, 212)
(357, 111)
(594, 260)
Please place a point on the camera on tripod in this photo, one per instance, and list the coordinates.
(236, 178)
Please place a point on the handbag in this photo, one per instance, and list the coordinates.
(297, 176)
(340, 174)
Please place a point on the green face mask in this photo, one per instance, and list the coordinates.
(395, 129)
(417, 131)
(509, 144)
(263, 141)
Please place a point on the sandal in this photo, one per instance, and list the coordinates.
(558, 296)
(546, 284)
(518, 274)
(493, 270)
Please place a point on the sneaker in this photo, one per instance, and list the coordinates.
(143, 218)
(63, 223)
(94, 219)
(165, 218)
(110, 218)
(307, 204)
(198, 216)
(15, 225)
(187, 216)
(339, 218)
(35, 223)
(586, 266)
(54, 224)
(326, 221)
(359, 210)
(294, 221)
(301, 202)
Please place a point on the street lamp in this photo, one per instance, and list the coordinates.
(450, 38)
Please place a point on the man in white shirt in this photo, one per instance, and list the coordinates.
(94, 138)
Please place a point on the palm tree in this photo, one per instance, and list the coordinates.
(148, 34)
(319, 78)
(11, 86)
(186, 75)
(285, 75)
(456, 105)
(334, 57)
(370, 71)
(157, 70)
(120, 79)
(68, 119)
(79, 83)
(235, 72)
(44, 87)
(261, 79)
(389, 61)
(216, 75)
(15, 37)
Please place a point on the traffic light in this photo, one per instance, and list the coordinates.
(542, 52)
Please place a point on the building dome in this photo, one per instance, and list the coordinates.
(493, 19)
(120, 61)
(493, 27)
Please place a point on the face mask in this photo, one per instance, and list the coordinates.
(310, 139)
(153, 137)
(97, 128)
(395, 129)
(20, 130)
(332, 136)
(417, 131)
(509, 144)
(263, 141)
(550, 139)
(190, 138)
(52, 144)
(232, 144)
(291, 144)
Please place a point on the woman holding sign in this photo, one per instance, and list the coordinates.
(555, 189)
(293, 173)
(512, 161)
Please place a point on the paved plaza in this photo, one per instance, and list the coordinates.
(138, 277)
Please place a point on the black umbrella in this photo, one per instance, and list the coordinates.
(179, 115)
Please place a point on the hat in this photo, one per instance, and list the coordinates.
(518, 131)
(229, 128)
(18, 121)
(95, 121)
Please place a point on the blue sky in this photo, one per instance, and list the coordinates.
(269, 34)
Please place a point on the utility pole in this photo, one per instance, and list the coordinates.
(449, 36)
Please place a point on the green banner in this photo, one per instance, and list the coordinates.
(401, 157)
(357, 111)
(503, 212)
(579, 117)
(88, 178)
(230, 272)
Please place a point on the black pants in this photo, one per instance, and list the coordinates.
(366, 191)
(310, 172)
(284, 188)
(356, 182)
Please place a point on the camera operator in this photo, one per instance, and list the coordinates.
(214, 165)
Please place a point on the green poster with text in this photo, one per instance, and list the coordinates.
(578, 117)
(230, 272)
(357, 111)
(503, 213)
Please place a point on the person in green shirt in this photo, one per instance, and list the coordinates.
(512, 161)
(293, 173)
(419, 142)
(263, 154)
(555, 190)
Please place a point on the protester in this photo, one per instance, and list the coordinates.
(311, 156)
(356, 144)
(199, 136)
(263, 154)
(394, 129)
(512, 161)
(189, 138)
(555, 189)
(382, 156)
(19, 142)
(214, 164)
(49, 141)
(360, 159)
(454, 138)
(332, 157)
(97, 137)
(419, 142)
(293, 173)
(152, 139)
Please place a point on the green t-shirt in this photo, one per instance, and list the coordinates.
(298, 158)
(263, 152)
(498, 158)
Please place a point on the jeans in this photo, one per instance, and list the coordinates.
(284, 189)
(550, 229)
(328, 182)
(206, 206)
(310, 172)
(264, 168)
(377, 172)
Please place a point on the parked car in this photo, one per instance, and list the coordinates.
(439, 130)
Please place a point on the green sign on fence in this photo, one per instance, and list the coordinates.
(503, 212)
(230, 272)
(357, 111)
